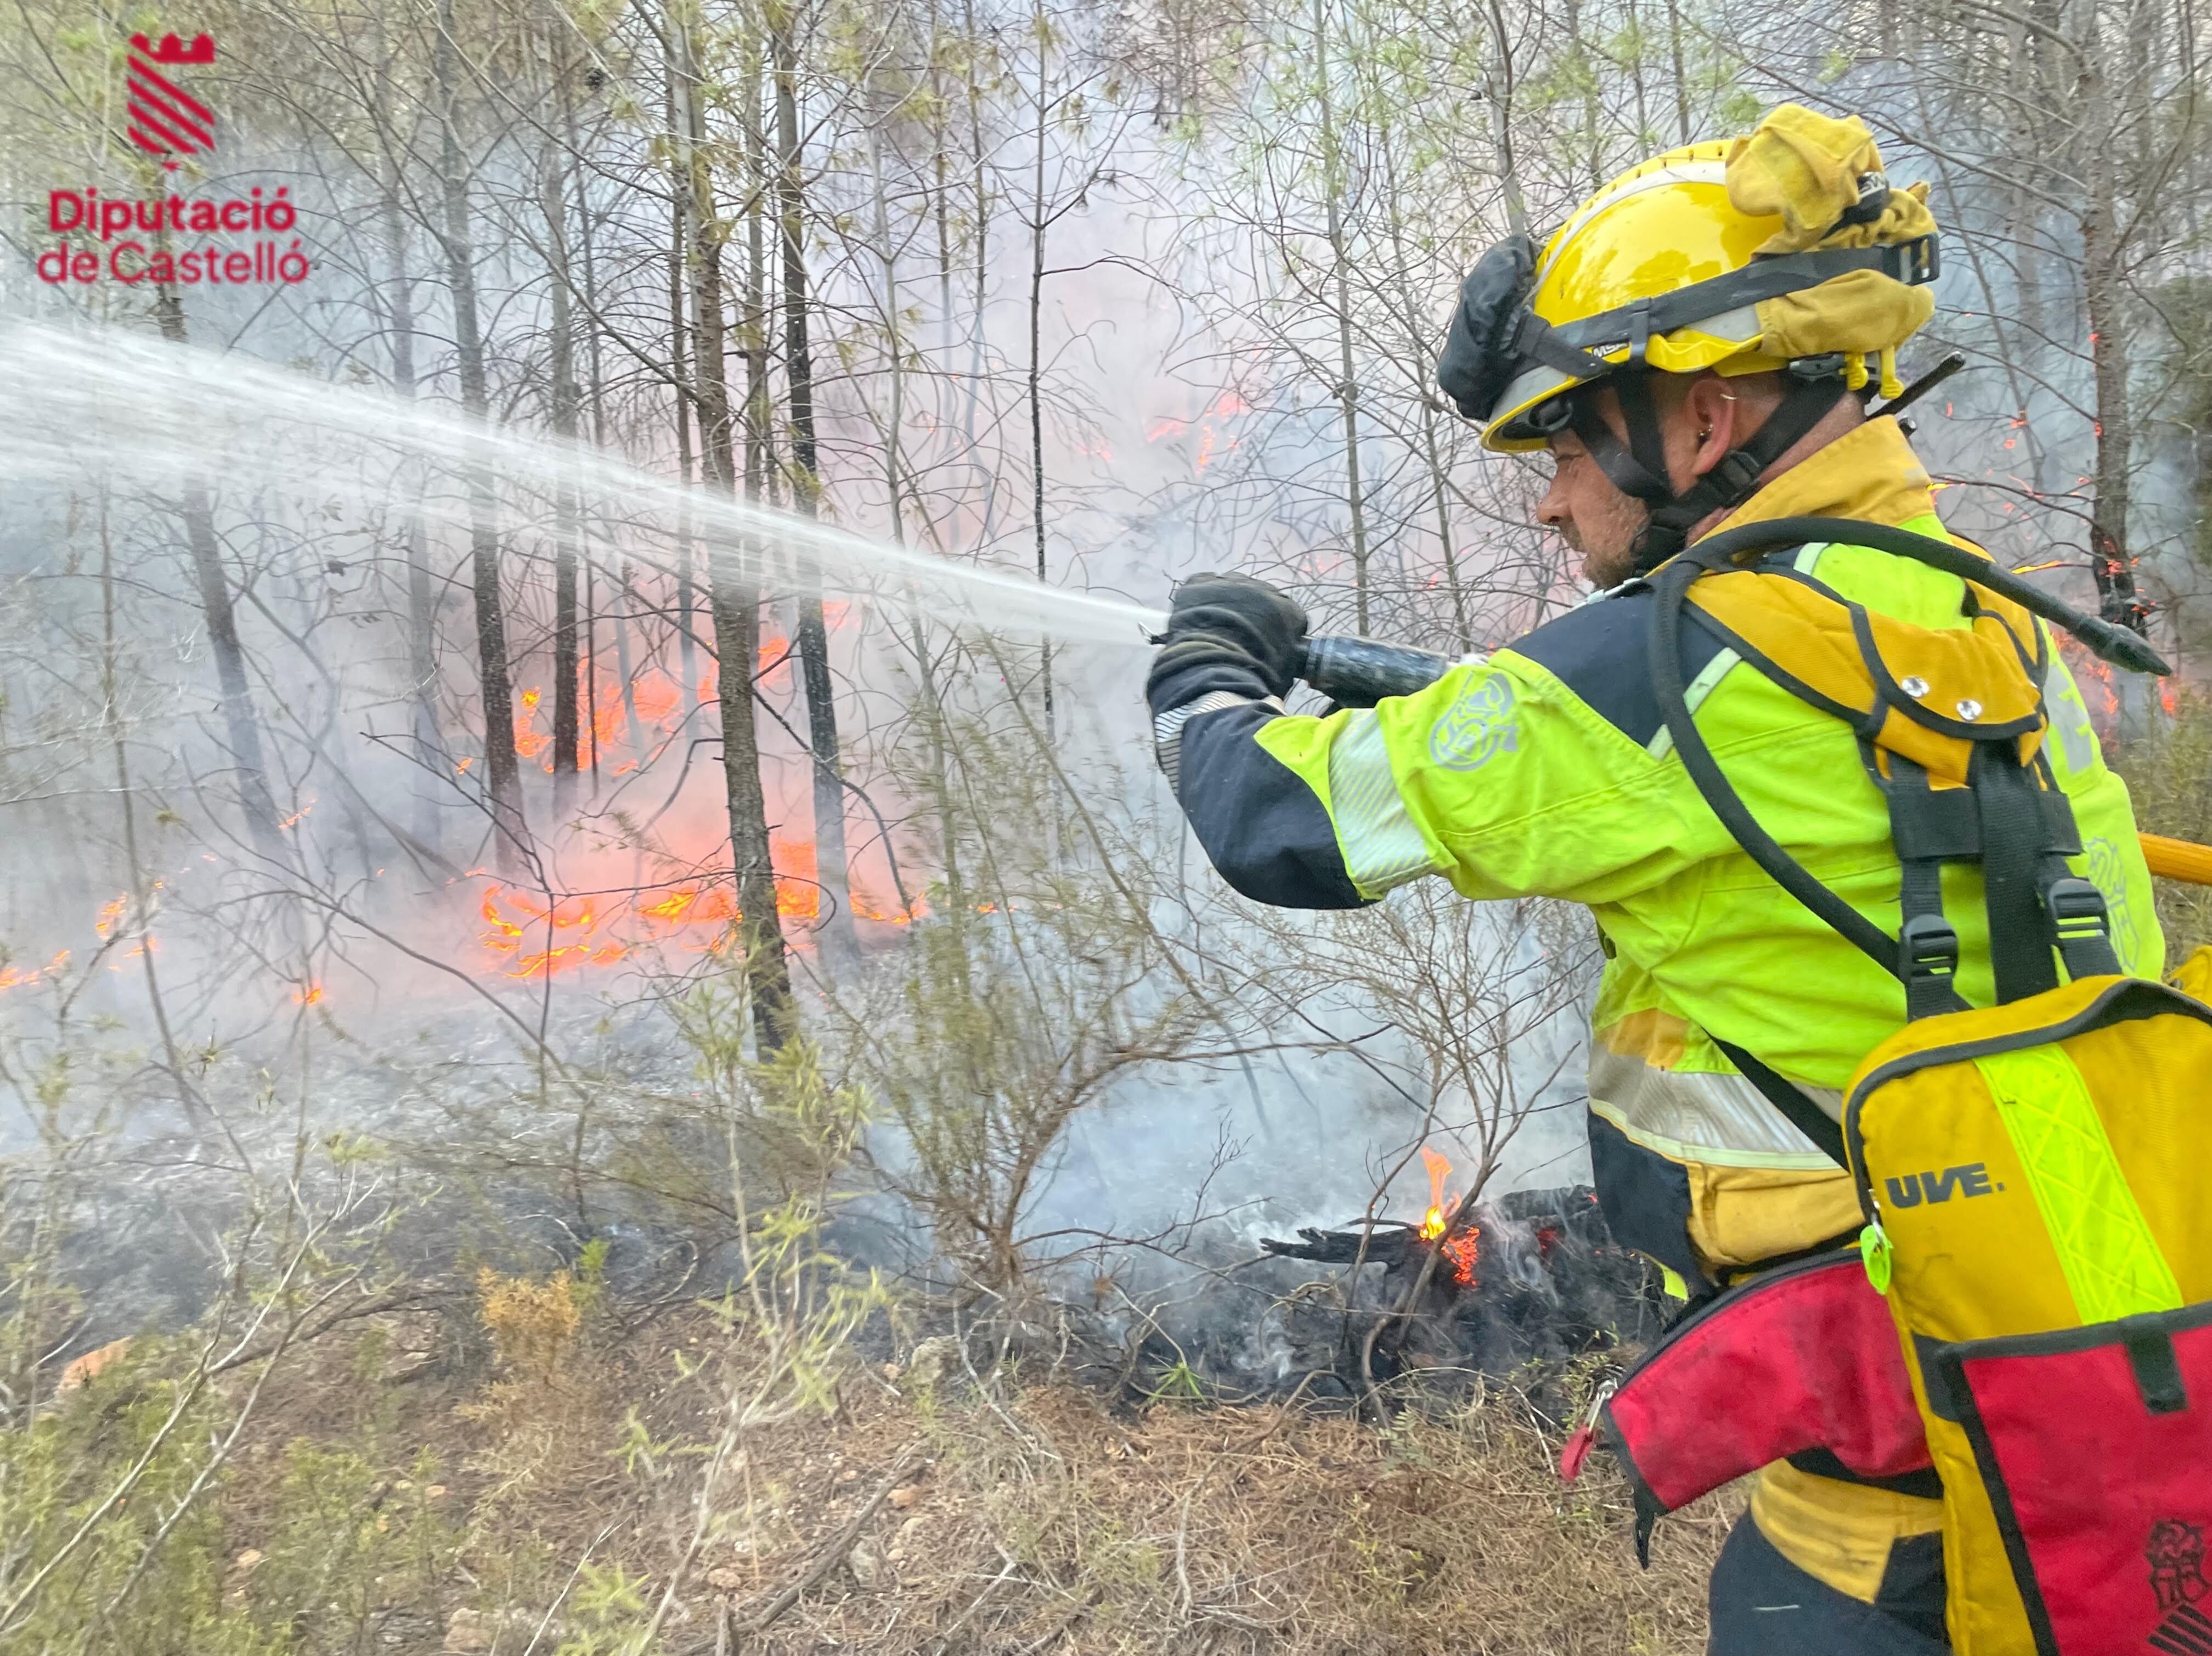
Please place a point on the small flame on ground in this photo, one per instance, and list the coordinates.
(1432, 1222)
(512, 937)
(607, 928)
(1458, 1249)
(311, 995)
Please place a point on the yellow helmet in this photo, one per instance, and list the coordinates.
(1784, 249)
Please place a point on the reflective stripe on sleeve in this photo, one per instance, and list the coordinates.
(1382, 847)
(1694, 1116)
(1167, 729)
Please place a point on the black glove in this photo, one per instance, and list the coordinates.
(1477, 362)
(1223, 629)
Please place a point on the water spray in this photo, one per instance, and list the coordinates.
(139, 404)
(132, 406)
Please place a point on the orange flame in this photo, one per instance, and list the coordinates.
(797, 895)
(311, 995)
(530, 938)
(655, 698)
(601, 930)
(1432, 1223)
(529, 742)
(772, 662)
(16, 977)
(1458, 1248)
(603, 718)
(538, 939)
(866, 907)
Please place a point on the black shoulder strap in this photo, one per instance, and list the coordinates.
(1705, 771)
(1928, 829)
(2015, 841)
(1669, 586)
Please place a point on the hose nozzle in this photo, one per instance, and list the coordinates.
(1360, 672)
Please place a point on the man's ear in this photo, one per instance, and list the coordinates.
(1710, 416)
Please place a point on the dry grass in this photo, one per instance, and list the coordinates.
(2169, 776)
(1034, 1518)
(1251, 1530)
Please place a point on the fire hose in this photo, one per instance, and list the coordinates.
(1361, 671)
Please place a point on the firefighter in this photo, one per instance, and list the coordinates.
(1696, 349)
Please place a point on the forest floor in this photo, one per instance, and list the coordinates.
(918, 1511)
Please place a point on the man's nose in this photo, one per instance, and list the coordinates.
(1551, 511)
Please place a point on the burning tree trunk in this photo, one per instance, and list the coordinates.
(834, 926)
(561, 368)
(242, 725)
(511, 845)
(734, 599)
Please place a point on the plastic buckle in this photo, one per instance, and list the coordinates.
(1811, 370)
(1928, 949)
(1872, 200)
(1924, 261)
(1738, 471)
(2077, 909)
(1551, 416)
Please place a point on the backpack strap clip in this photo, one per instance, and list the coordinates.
(1927, 961)
(2080, 928)
(1930, 829)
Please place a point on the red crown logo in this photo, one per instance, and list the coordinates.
(174, 51)
(166, 120)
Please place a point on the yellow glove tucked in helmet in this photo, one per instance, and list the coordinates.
(1784, 249)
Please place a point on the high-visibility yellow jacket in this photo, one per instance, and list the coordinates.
(1544, 769)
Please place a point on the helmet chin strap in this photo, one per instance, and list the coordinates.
(1638, 467)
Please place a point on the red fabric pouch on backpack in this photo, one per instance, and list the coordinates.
(1800, 1358)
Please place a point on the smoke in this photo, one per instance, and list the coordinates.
(410, 947)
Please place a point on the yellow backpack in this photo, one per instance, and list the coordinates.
(2036, 1176)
